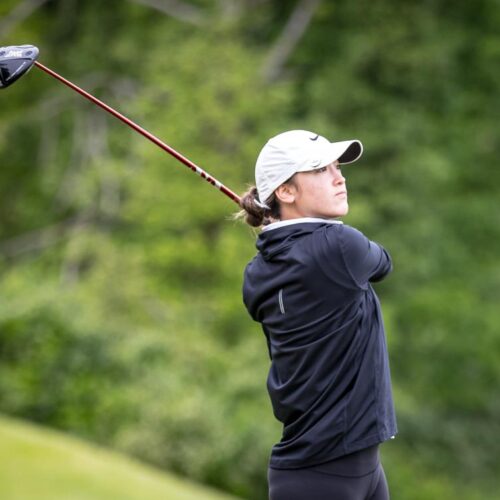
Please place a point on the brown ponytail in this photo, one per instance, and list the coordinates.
(255, 215)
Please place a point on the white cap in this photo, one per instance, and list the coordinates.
(298, 151)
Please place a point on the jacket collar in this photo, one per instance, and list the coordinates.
(300, 220)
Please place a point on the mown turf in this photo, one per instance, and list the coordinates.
(36, 463)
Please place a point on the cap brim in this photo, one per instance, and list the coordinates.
(344, 152)
(352, 151)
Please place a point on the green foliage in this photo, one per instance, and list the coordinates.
(120, 301)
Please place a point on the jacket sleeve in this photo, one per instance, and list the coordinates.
(365, 260)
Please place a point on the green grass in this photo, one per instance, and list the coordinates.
(36, 463)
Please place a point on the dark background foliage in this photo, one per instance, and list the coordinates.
(120, 311)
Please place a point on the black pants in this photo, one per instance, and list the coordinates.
(358, 476)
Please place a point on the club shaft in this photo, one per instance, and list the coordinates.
(188, 163)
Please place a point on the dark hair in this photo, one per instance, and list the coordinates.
(256, 215)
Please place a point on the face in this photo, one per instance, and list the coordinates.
(318, 193)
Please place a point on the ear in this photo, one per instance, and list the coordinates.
(286, 193)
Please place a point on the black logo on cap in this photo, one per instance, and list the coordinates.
(313, 138)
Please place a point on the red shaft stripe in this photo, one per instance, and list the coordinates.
(145, 133)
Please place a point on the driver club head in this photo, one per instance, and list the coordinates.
(15, 61)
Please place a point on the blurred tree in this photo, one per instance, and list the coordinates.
(120, 310)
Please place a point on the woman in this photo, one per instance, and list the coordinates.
(309, 287)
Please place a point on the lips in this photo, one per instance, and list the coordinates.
(342, 193)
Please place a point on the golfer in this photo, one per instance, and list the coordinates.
(309, 286)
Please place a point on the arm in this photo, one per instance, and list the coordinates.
(365, 260)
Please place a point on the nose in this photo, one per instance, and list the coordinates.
(338, 178)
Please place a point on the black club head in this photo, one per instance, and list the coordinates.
(15, 61)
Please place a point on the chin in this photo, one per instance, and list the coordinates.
(342, 211)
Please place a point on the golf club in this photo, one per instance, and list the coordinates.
(17, 60)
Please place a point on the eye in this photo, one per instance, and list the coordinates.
(320, 170)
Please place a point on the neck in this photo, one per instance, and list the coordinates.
(288, 212)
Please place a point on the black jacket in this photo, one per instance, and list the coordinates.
(329, 380)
